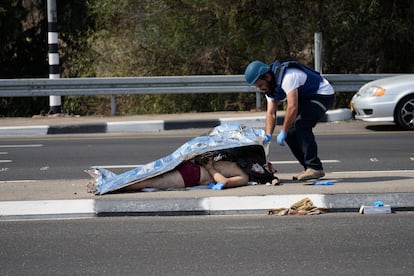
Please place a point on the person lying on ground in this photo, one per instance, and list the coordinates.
(201, 171)
(226, 168)
(228, 142)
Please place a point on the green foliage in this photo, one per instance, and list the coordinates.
(123, 38)
(372, 36)
(23, 106)
(21, 43)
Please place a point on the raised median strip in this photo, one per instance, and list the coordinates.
(229, 205)
(24, 130)
(153, 125)
(47, 208)
(220, 205)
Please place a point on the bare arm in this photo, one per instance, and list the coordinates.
(291, 110)
(228, 173)
(271, 116)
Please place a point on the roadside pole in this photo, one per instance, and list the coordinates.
(318, 52)
(52, 38)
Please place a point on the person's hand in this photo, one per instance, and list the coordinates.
(216, 186)
(267, 139)
(281, 138)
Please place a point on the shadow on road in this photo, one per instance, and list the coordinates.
(388, 127)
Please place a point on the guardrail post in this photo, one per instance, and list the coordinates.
(258, 102)
(318, 52)
(113, 106)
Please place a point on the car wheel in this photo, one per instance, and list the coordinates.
(404, 112)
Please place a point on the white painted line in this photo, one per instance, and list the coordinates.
(47, 207)
(296, 162)
(255, 118)
(18, 181)
(116, 166)
(374, 172)
(5, 161)
(135, 166)
(284, 162)
(22, 146)
(3, 152)
(134, 126)
(249, 121)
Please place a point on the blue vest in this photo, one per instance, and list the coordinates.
(309, 88)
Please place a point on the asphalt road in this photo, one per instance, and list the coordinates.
(329, 244)
(67, 156)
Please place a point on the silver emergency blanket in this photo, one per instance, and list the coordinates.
(221, 137)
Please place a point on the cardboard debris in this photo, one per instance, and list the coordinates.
(302, 207)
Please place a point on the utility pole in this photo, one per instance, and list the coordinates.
(52, 38)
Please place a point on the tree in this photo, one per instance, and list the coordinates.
(368, 36)
(23, 25)
(121, 38)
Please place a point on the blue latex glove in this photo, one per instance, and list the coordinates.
(281, 138)
(217, 186)
(267, 139)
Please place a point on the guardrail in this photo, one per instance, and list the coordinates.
(158, 85)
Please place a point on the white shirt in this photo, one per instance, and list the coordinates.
(294, 78)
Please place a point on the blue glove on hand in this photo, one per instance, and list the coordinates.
(217, 186)
(267, 139)
(281, 138)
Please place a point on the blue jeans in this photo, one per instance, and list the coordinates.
(300, 137)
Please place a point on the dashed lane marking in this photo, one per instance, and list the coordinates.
(18, 181)
(22, 146)
(135, 166)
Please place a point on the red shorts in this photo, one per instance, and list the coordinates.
(190, 172)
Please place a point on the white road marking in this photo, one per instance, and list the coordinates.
(116, 166)
(18, 181)
(374, 172)
(296, 162)
(273, 162)
(17, 146)
(22, 146)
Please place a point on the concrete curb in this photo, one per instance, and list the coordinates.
(227, 205)
(220, 205)
(153, 125)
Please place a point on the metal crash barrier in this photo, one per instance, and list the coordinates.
(158, 85)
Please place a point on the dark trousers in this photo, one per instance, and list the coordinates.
(300, 137)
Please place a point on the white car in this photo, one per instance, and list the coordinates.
(386, 100)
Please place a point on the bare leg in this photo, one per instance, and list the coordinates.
(172, 179)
